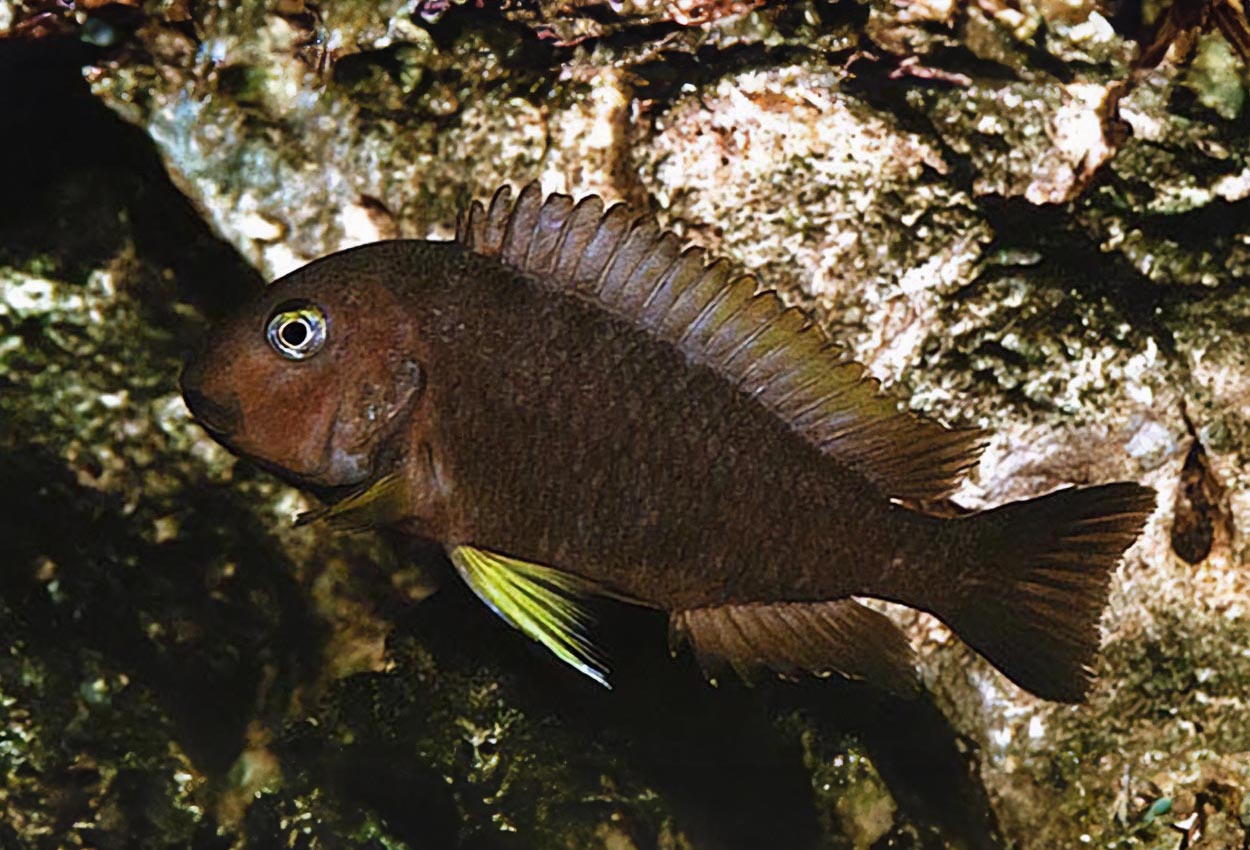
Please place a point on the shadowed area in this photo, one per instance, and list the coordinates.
(78, 179)
(94, 582)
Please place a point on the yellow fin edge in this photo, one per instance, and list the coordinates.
(539, 601)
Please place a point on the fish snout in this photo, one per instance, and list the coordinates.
(219, 418)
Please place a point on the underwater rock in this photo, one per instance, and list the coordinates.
(998, 215)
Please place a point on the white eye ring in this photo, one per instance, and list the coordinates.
(296, 330)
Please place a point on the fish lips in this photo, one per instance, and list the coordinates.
(220, 418)
(223, 422)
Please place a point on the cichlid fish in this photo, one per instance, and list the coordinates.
(573, 404)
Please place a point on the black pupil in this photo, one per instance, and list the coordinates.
(294, 333)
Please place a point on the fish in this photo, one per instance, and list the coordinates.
(574, 403)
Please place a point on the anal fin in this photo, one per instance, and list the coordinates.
(540, 601)
(791, 638)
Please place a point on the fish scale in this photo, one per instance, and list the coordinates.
(645, 407)
(579, 405)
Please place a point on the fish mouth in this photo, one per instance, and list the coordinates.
(220, 420)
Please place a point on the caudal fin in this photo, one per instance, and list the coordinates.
(1035, 584)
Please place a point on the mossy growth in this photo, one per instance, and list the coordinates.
(1107, 766)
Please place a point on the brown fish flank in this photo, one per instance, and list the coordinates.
(571, 404)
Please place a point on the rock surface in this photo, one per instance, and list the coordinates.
(1000, 215)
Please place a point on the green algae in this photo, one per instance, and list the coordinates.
(1136, 742)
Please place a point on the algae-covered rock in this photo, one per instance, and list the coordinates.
(996, 210)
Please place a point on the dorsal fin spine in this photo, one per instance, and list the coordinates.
(848, 430)
(557, 251)
(507, 238)
(660, 280)
(591, 206)
(799, 385)
(666, 279)
(691, 301)
(741, 345)
(649, 273)
(614, 259)
(762, 362)
(632, 252)
(764, 365)
(540, 252)
(720, 316)
(691, 327)
(521, 222)
(758, 313)
(610, 236)
(814, 407)
(820, 412)
(497, 220)
(690, 259)
(628, 274)
(530, 259)
(696, 327)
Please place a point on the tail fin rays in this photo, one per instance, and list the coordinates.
(1037, 581)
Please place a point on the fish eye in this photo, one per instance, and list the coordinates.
(296, 330)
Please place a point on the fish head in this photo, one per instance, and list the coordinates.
(313, 379)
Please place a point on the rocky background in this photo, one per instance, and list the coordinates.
(1030, 216)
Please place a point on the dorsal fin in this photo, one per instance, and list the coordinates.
(721, 319)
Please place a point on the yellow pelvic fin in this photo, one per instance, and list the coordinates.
(380, 503)
(540, 601)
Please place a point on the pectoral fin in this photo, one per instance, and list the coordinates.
(789, 638)
(380, 503)
(542, 602)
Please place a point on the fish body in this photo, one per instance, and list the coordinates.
(575, 439)
(571, 404)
